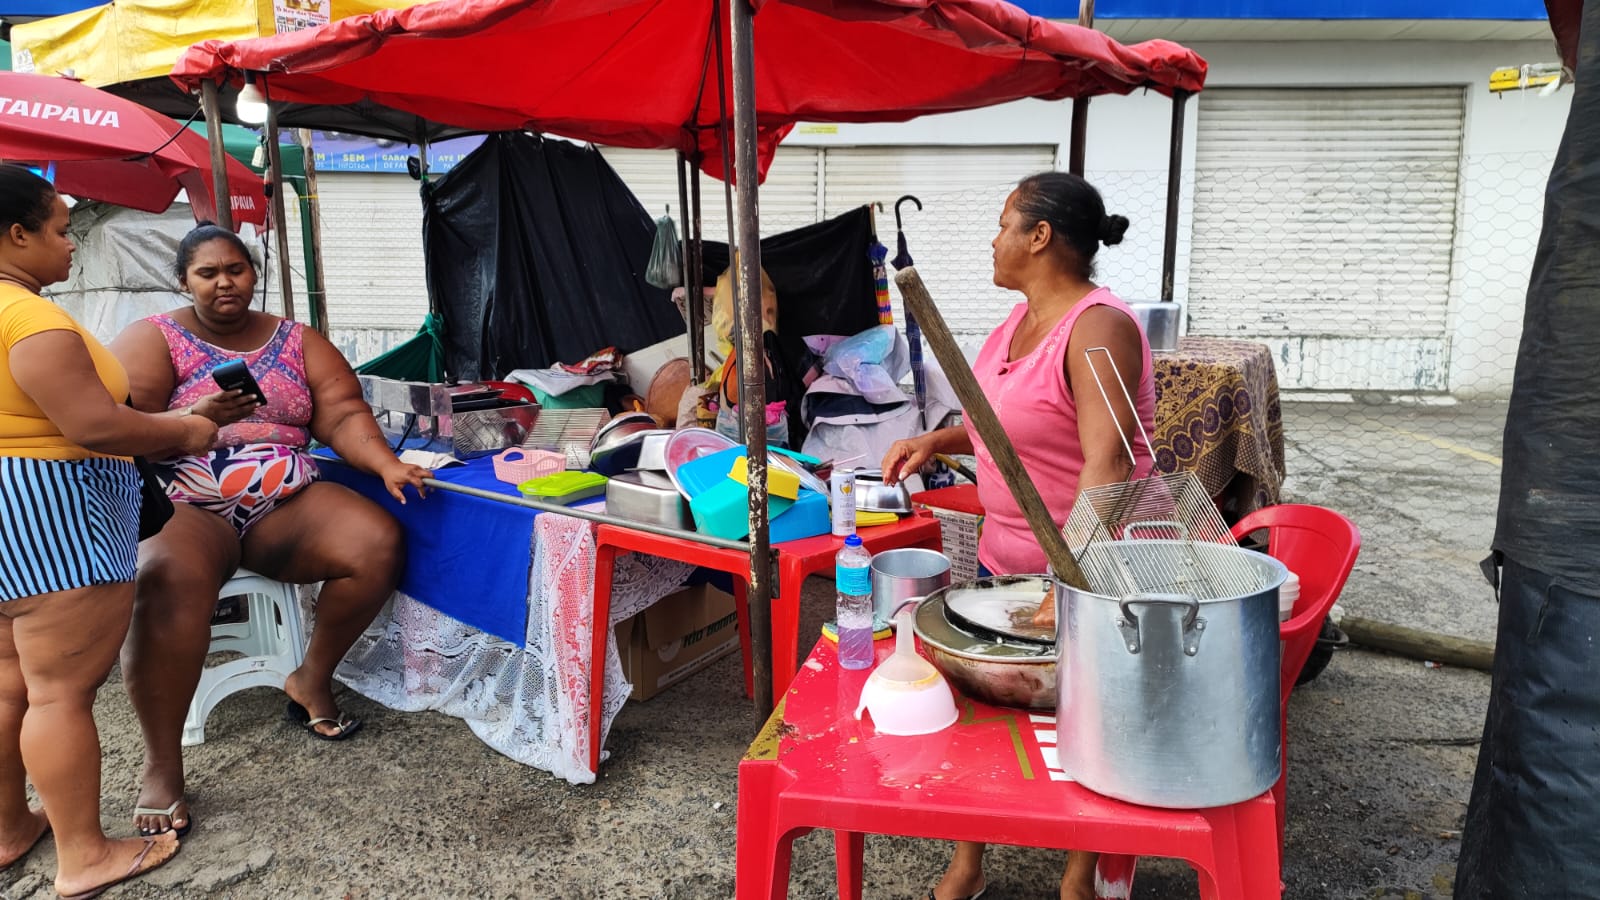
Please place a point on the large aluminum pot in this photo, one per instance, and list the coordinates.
(1171, 700)
(1021, 675)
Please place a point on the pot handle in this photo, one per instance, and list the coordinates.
(1193, 625)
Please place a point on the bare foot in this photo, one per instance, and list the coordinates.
(159, 788)
(15, 844)
(318, 701)
(123, 860)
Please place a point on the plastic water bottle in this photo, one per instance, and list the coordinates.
(853, 578)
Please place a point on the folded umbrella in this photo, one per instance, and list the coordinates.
(114, 150)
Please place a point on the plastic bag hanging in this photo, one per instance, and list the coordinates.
(665, 269)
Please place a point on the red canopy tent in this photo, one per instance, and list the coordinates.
(655, 73)
(644, 73)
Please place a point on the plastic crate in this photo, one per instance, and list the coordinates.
(960, 532)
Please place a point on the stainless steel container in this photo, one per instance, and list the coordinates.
(647, 497)
(1160, 322)
(904, 574)
(421, 415)
(873, 495)
(1170, 700)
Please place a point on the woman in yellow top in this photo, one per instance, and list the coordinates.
(69, 521)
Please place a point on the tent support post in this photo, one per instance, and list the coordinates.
(316, 286)
(752, 374)
(697, 334)
(693, 306)
(280, 219)
(1169, 240)
(221, 198)
(1080, 105)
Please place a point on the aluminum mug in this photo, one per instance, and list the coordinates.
(904, 574)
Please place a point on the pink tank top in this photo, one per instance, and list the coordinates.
(279, 366)
(1040, 415)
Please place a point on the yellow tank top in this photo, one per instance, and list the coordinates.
(24, 428)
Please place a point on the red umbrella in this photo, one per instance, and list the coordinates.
(111, 149)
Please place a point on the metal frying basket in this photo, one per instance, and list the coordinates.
(1107, 523)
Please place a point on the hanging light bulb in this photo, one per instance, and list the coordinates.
(251, 104)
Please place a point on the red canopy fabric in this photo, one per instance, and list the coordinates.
(111, 149)
(642, 73)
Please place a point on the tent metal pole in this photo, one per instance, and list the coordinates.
(752, 373)
(1169, 240)
(695, 278)
(692, 306)
(222, 199)
(1080, 105)
(280, 219)
(316, 280)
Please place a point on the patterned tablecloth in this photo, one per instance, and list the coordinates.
(1217, 414)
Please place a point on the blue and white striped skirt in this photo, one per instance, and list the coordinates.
(66, 524)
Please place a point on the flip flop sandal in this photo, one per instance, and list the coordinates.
(299, 715)
(134, 870)
(156, 811)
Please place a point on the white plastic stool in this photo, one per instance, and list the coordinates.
(273, 642)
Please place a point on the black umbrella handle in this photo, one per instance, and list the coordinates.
(902, 259)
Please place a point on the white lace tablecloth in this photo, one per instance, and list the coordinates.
(529, 702)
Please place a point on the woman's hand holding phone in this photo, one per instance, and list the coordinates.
(226, 407)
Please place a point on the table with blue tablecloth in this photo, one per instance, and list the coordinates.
(492, 619)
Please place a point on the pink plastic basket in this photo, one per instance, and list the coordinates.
(516, 465)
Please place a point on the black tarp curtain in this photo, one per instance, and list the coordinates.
(1532, 821)
(535, 255)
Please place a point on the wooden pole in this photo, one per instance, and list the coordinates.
(975, 406)
(1169, 239)
(1417, 644)
(1080, 105)
(280, 219)
(752, 371)
(316, 279)
(221, 197)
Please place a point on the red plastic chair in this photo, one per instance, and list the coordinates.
(1320, 546)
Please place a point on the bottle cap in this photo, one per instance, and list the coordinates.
(853, 540)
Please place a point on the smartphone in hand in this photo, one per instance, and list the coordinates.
(235, 376)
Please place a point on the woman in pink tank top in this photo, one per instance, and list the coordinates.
(1041, 382)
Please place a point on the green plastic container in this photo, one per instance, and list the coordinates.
(564, 488)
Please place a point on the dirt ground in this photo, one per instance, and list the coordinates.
(1380, 755)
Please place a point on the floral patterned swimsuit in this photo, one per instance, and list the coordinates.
(258, 462)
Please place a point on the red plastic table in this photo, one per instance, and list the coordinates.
(991, 777)
(796, 561)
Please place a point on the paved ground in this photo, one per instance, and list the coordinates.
(1381, 747)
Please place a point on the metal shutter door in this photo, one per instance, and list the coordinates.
(962, 190)
(788, 196)
(372, 254)
(1324, 222)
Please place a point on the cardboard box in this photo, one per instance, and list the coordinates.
(677, 636)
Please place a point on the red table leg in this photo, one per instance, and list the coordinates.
(605, 556)
(1245, 865)
(849, 853)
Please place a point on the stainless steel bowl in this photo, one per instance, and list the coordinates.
(616, 447)
(1018, 675)
(873, 495)
(647, 497)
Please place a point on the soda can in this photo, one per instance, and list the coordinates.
(842, 500)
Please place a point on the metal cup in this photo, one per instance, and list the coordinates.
(905, 574)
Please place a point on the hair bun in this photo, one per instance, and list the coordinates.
(1112, 228)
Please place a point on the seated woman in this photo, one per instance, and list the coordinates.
(1037, 376)
(253, 501)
